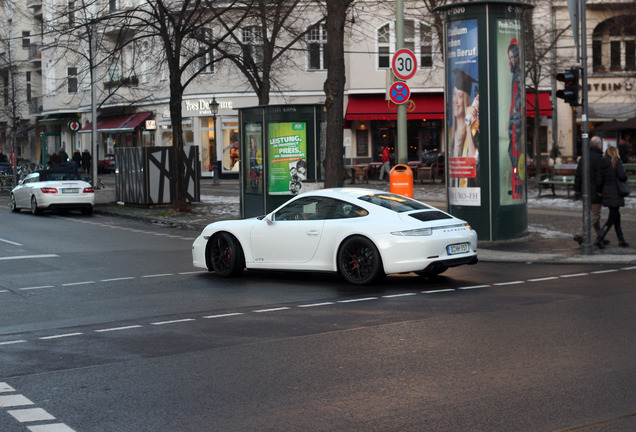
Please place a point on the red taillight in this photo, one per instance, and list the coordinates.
(89, 190)
(48, 190)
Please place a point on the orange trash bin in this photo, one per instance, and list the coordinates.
(401, 180)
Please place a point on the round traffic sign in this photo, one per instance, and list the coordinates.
(399, 93)
(404, 64)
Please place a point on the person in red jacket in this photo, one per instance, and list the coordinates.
(386, 162)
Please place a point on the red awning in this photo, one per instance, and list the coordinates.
(123, 123)
(545, 104)
(375, 107)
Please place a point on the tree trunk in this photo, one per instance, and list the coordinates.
(334, 91)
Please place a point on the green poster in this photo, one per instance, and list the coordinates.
(287, 157)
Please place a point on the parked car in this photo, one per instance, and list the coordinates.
(53, 190)
(106, 165)
(362, 234)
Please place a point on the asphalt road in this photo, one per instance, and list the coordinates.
(106, 326)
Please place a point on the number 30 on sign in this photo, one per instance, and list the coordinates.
(404, 64)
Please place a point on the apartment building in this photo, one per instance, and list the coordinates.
(132, 88)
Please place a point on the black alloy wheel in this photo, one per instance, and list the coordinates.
(359, 261)
(226, 255)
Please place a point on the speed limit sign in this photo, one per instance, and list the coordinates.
(404, 64)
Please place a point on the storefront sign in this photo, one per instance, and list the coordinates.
(201, 107)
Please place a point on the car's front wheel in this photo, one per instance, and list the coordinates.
(14, 206)
(226, 255)
(34, 206)
(359, 261)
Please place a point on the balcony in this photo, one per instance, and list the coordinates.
(35, 54)
(130, 81)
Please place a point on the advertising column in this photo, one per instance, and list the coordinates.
(485, 117)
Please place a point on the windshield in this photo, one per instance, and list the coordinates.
(397, 203)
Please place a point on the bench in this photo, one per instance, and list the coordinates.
(556, 180)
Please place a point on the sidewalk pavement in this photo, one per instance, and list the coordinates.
(552, 223)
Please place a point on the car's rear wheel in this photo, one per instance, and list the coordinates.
(226, 255)
(34, 206)
(14, 207)
(359, 261)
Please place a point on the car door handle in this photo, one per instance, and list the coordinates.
(313, 233)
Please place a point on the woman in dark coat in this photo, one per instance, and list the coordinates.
(610, 172)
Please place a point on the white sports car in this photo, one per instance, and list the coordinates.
(362, 234)
(53, 190)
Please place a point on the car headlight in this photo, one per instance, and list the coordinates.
(414, 232)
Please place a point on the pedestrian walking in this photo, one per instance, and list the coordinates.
(610, 173)
(62, 155)
(86, 161)
(386, 162)
(596, 203)
(77, 158)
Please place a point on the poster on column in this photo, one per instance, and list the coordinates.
(462, 113)
(512, 112)
(287, 158)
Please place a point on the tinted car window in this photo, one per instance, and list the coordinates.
(397, 203)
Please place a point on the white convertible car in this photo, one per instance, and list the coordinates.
(362, 234)
(53, 190)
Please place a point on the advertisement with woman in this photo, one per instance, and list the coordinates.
(287, 158)
(462, 113)
(512, 113)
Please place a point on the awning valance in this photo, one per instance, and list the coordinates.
(375, 107)
(123, 123)
(545, 104)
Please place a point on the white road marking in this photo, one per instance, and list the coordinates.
(604, 271)
(11, 242)
(29, 257)
(543, 279)
(574, 275)
(4, 387)
(61, 336)
(158, 275)
(271, 310)
(473, 287)
(399, 295)
(118, 328)
(37, 287)
(509, 283)
(357, 300)
(316, 304)
(223, 315)
(173, 321)
(13, 342)
(117, 279)
(30, 415)
(438, 291)
(193, 272)
(14, 401)
(78, 283)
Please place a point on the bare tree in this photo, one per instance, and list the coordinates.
(265, 45)
(334, 90)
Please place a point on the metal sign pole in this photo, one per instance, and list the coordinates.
(402, 149)
(586, 246)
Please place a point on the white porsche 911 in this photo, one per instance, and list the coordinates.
(362, 234)
(53, 190)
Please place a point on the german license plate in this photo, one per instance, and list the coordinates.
(70, 190)
(459, 248)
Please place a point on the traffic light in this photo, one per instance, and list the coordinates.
(570, 92)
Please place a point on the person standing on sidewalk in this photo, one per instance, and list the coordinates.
(610, 173)
(386, 162)
(596, 203)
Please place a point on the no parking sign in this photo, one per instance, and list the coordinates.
(399, 93)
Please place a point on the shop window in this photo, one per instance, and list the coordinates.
(208, 145)
(418, 37)
(614, 45)
(316, 40)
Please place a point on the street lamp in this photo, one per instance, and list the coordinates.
(214, 109)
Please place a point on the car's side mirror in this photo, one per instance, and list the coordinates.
(269, 219)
